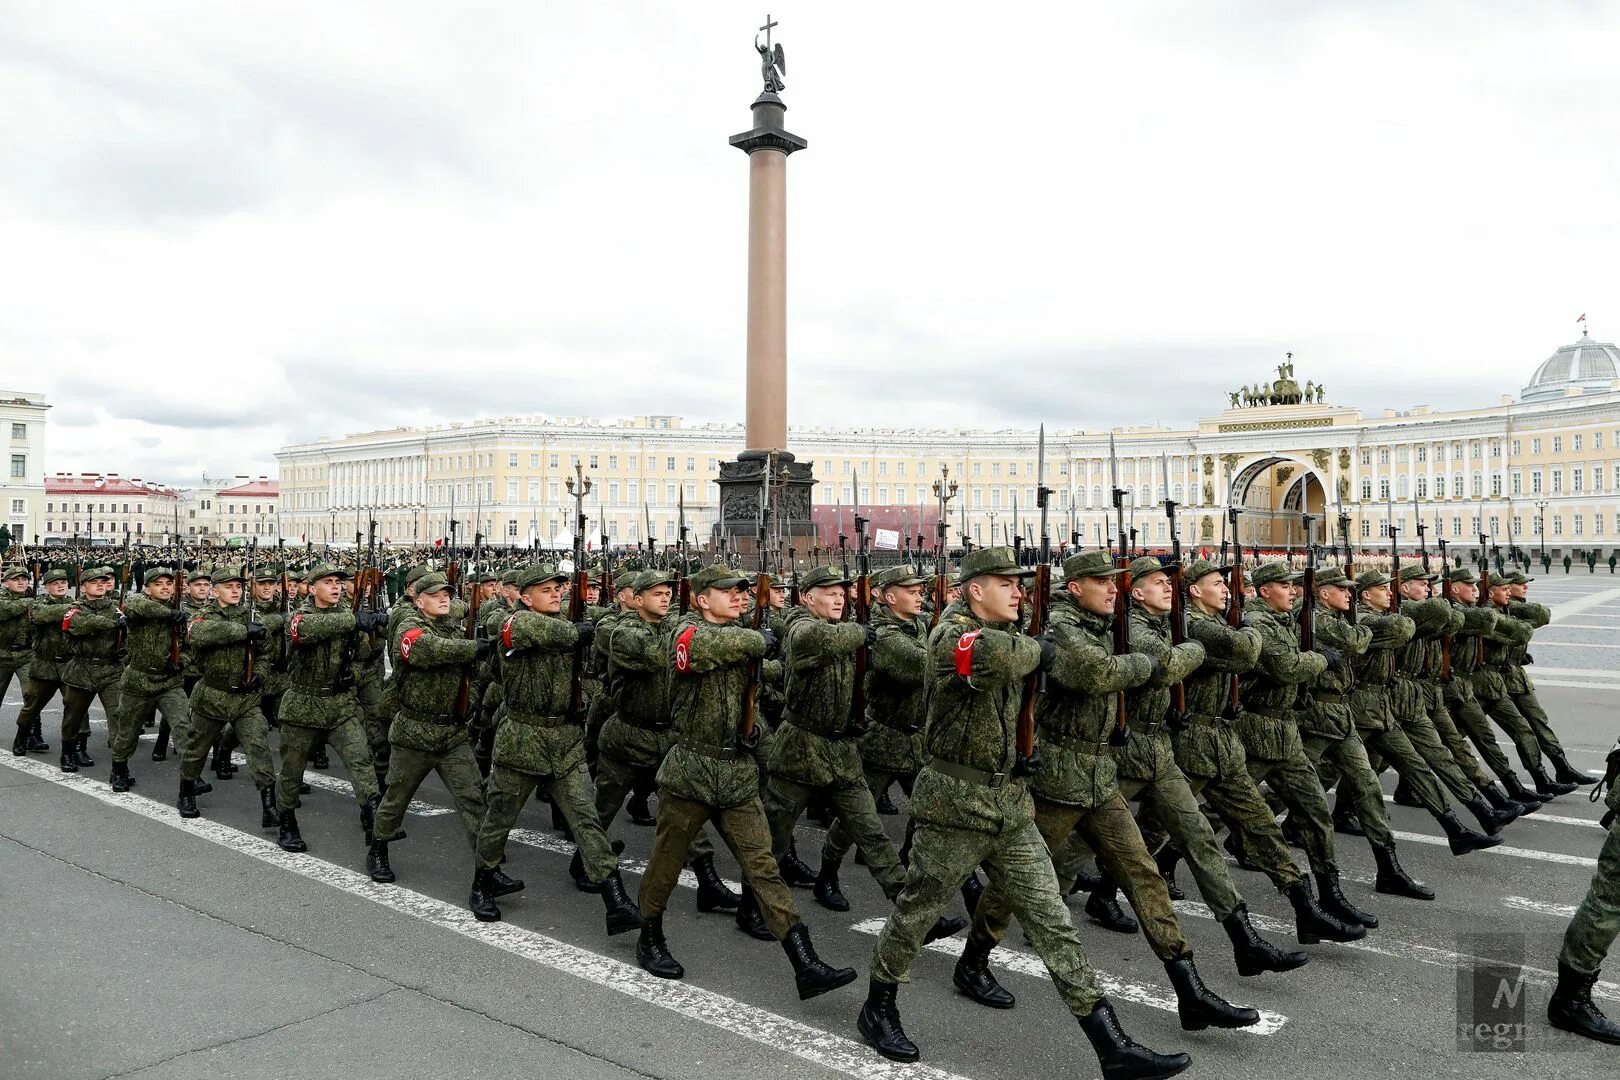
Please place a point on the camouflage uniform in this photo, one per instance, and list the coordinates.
(319, 706)
(1490, 688)
(218, 638)
(51, 653)
(92, 628)
(14, 640)
(1592, 931)
(1461, 699)
(1418, 701)
(151, 684)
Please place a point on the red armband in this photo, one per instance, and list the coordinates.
(964, 653)
(293, 630)
(406, 640)
(683, 650)
(506, 631)
(68, 618)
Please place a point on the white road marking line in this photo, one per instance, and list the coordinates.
(1542, 643)
(1555, 819)
(1536, 671)
(1562, 911)
(1577, 685)
(1591, 600)
(705, 1006)
(1502, 849)
(1119, 989)
(1584, 626)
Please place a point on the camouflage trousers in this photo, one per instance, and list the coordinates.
(409, 767)
(1344, 762)
(37, 694)
(785, 801)
(76, 702)
(1468, 719)
(748, 835)
(1395, 746)
(270, 708)
(124, 731)
(201, 731)
(508, 789)
(374, 721)
(616, 778)
(1438, 717)
(298, 742)
(840, 838)
(1022, 883)
(1293, 779)
(1421, 734)
(1509, 719)
(1529, 707)
(1592, 931)
(9, 672)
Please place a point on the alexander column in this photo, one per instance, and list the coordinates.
(742, 482)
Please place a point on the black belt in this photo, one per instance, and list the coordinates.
(969, 774)
(718, 753)
(318, 691)
(530, 720)
(1098, 747)
(788, 717)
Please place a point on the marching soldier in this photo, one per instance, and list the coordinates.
(198, 587)
(1511, 596)
(1592, 931)
(151, 680)
(15, 635)
(320, 706)
(708, 776)
(1505, 635)
(95, 629)
(971, 810)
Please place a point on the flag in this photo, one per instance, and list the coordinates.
(1582, 318)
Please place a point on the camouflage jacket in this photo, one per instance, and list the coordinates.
(218, 637)
(1267, 724)
(1375, 668)
(1076, 715)
(188, 660)
(708, 676)
(638, 725)
(975, 680)
(151, 634)
(1535, 616)
(537, 735)
(428, 656)
(320, 668)
(1332, 709)
(1497, 630)
(14, 629)
(92, 629)
(1150, 755)
(815, 743)
(1227, 652)
(1418, 662)
(896, 708)
(52, 650)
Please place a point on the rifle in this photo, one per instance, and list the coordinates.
(1177, 718)
(746, 735)
(1423, 549)
(285, 606)
(1028, 761)
(1445, 594)
(1484, 598)
(247, 648)
(793, 580)
(1234, 615)
(1121, 733)
(177, 633)
(578, 487)
(862, 608)
(1349, 565)
(1307, 613)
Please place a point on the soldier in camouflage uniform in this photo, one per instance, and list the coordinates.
(429, 654)
(707, 776)
(272, 673)
(51, 653)
(221, 638)
(1511, 596)
(15, 638)
(151, 681)
(95, 631)
(197, 586)
(320, 704)
(1592, 931)
(1506, 636)
(972, 810)
(491, 614)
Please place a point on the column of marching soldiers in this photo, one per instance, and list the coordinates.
(1022, 720)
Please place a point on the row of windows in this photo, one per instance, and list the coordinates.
(1577, 521)
(101, 527)
(100, 508)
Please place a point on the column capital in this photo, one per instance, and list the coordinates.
(768, 132)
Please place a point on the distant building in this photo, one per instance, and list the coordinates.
(22, 486)
(101, 509)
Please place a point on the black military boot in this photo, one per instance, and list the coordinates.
(827, 892)
(1122, 1057)
(1334, 902)
(1103, 908)
(1498, 798)
(1462, 838)
(1253, 953)
(1490, 819)
(188, 800)
(749, 920)
(1198, 1006)
(269, 816)
(1521, 794)
(19, 745)
(318, 758)
(622, 915)
(377, 863)
(1571, 1007)
(36, 738)
(640, 813)
(290, 838)
(82, 751)
(1085, 881)
(1564, 772)
(1405, 796)
(368, 815)
(811, 974)
(68, 761)
(1312, 924)
(1166, 860)
(121, 780)
(972, 890)
(879, 1023)
(1234, 848)
(481, 900)
(200, 786)
(1393, 880)
(652, 952)
(712, 894)
(501, 885)
(576, 870)
(944, 927)
(1547, 787)
(794, 871)
(160, 748)
(885, 805)
(221, 761)
(973, 977)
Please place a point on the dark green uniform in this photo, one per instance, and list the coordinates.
(51, 654)
(95, 665)
(1461, 699)
(1417, 700)
(15, 640)
(319, 704)
(151, 684)
(223, 695)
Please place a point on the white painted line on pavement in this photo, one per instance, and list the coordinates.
(1591, 600)
(1119, 989)
(1502, 849)
(705, 1006)
(1577, 685)
(1536, 671)
(1555, 819)
(1545, 643)
(317, 779)
(1522, 903)
(1585, 626)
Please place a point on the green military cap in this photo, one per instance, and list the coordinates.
(1519, 577)
(821, 575)
(539, 572)
(1273, 571)
(898, 577)
(1000, 561)
(1415, 572)
(1089, 564)
(509, 578)
(431, 582)
(202, 573)
(489, 575)
(1145, 566)
(267, 573)
(1200, 569)
(648, 579)
(229, 572)
(626, 578)
(16, 572)
(57, 574)
(155, 572)
(417, 573)
(780, 581)
(1461, 575)
(717, 576)
(1332, 575)
(1372, 579)
(92, 572)
(323, 570)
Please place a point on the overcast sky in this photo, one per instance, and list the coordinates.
(226, 227)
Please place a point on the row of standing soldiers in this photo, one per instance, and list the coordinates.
(942, 688)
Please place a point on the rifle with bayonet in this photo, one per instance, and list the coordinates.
(1307, 612)
(862, 609)
(1234, 613)
(578, 487)
(1028, 761)
(1446, 640)
(1121, 732)
(1176, 719)
(747, 736)
(1484, 598)
(249, 679)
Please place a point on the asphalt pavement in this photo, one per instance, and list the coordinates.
(137, 944)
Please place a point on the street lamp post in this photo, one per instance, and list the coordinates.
(1541, 526)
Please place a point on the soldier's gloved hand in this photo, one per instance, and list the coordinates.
(587, 631)
(871, 635)
(1334, 658)
(370, 620)
(1527, 661)
(770, 642)
(179, 617)
(1247, 621)
(1156, 672)
(485, 648)
(1048, 651)
(257, 631)
(122, 622)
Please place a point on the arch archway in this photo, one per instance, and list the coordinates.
(1273, 491)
